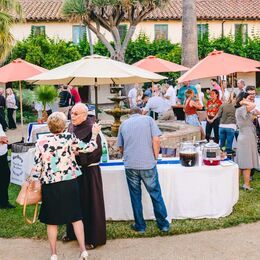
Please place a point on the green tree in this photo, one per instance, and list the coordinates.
(109, 14)
(10, 11)
(46, 52)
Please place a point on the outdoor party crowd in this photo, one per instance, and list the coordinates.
(67, 161)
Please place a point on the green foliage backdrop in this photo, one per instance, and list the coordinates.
(50, 53)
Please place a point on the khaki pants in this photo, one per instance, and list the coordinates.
(168, 115)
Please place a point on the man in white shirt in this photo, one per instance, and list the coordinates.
(4, 172)
(132, 96)
(170, 95)
(158, 105)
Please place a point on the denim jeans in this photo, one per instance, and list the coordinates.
(151, 182)
(226, 137)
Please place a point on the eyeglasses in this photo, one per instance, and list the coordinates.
(76, 114)
(252, 94)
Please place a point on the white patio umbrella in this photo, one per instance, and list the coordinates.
(95, 70)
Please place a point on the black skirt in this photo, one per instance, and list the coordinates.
(60, 203)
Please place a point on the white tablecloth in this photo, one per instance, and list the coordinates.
(196, 192)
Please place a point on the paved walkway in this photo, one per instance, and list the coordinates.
(242, 242)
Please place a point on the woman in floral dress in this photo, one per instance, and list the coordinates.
(56, 167)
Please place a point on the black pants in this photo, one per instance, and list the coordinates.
(179, 113)
(2, 119)
(4, 180)
(215, 127)
(11, 122)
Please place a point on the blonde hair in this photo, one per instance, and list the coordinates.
(231, 98)
(57, 122)
(9, 91)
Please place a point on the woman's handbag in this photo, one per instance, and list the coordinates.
(30, 194)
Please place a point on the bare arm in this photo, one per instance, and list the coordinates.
(144, 112)
(156, 146)
(121, 149)
(196, 104)
(130, 101)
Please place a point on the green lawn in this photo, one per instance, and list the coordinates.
(247, 210)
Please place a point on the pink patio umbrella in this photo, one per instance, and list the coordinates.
(158, 65)
(219, 63)
(18, 70)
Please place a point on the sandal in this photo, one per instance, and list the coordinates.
(66, 239)
(90, 246)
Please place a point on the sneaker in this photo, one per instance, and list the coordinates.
(54, 257)
(165, 229)
(141, 231)
(244, 187)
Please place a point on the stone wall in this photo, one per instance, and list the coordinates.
(174, 132)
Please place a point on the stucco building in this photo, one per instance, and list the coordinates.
(217, 17)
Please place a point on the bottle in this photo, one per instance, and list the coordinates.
(104, 153)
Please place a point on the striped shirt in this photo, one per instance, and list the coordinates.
(135, 136)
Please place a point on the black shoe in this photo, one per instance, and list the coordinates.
(90, 246)
(8, 206)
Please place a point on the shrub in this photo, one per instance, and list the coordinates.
(46, 94)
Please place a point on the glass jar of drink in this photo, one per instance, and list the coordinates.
(188, 154)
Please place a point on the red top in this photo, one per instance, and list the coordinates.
(213, 107)
(190, 110)
(74, 92)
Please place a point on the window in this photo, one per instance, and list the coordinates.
(241, 32)
(203, 31)
(38, 30)
(161, 31)
(78, 33)
(122, 31)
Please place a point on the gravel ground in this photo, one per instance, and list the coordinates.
(241, 242)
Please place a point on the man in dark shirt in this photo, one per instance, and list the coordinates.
(65, 100)
(2, 110)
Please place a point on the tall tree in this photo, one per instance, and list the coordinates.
(109, 14)
(189, 34)
(10, 12)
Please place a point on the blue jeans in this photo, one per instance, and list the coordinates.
(226, 134)
(151, 182)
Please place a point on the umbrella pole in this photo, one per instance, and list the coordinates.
(96, 99)
(21, 107)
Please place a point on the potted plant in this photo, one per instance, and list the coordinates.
(45, 94)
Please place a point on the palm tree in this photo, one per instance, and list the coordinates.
(189, 34)
(10, 12)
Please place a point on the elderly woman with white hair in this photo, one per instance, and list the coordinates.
(56, 167)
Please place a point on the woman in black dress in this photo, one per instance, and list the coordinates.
(56, 166)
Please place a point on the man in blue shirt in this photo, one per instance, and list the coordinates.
(138, 140)
(182, 90)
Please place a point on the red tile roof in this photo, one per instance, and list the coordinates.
(42, 10)
(50, 10)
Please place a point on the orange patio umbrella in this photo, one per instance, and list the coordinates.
(219, 63)
(158, 65)
(18, 70)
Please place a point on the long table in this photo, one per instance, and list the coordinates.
(196, 192)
